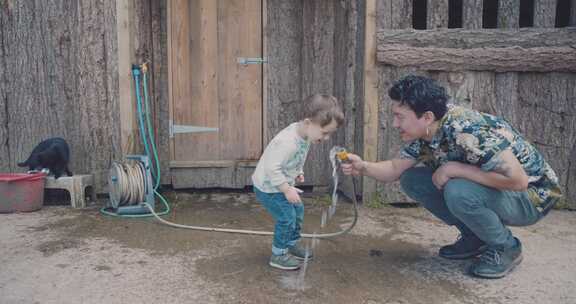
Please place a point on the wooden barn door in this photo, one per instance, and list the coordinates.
(215, 82)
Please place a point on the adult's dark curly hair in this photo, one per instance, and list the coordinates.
(421, 94)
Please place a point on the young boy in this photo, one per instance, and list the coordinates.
(281, 165)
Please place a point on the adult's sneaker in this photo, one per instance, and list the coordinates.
(465, 247)
(497, 261)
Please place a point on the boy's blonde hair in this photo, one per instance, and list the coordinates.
(322, 109)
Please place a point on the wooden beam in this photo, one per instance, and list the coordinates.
(469, 39)
(370, 96)
(480, 50)
(124, 21)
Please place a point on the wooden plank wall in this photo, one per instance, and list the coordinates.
(150, 45)
(370, 97)
(62, 79)
(67, 64)
(318, 67)
(313, 47)
(542, 106)
(284, 45)
(391, 14)
(5, 164)
(350, 80)
(549, 101)
(59, 78)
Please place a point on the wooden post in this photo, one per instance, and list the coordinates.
(472, 14)
(544, 17)
(159, 85)
(506, 84)
(264, 75)
(124, 20)
(572, 13)
(5, 162)
(437, 15)
(370, 96)
(390, 15)
(544, 13)
(508, 14)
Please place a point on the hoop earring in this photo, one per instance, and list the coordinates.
(427, 132)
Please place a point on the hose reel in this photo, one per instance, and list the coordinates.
(130, 186)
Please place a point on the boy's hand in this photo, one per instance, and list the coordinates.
(300, 178)
(354, 165)
(293, 195)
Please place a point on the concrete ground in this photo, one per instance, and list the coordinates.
(61, 255)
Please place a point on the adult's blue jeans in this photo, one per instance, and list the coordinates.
(288, 219)
(472, 208)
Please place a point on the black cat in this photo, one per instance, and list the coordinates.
(53, 154)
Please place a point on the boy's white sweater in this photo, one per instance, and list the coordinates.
(282, 160)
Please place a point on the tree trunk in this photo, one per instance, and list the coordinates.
(62, 81)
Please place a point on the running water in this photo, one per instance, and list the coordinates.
(326, 216)
(300, 285)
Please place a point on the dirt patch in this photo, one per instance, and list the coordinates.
(52, 247)
(390, 257)
(102, 268)
(348, 269)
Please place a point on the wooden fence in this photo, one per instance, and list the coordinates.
(512, 58)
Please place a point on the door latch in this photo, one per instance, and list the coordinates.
(256, 60)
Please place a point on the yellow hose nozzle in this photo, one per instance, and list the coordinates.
(342, 155)
(144, 67)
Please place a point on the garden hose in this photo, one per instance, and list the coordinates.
(132, 182)
(256, 232)
(143, 111)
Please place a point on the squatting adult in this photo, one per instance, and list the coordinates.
(470, 169)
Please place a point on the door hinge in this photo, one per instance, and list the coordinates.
(178, 129)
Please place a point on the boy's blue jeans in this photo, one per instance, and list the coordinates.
(288, 218)
(471, 207)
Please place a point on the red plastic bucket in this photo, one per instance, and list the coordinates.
(21, 192)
